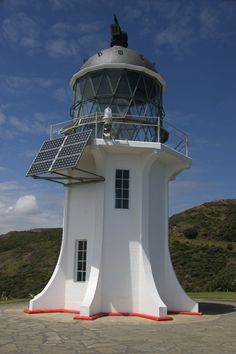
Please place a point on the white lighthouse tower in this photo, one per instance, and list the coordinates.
(115, 158)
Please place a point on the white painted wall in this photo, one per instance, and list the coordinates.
(128, 264)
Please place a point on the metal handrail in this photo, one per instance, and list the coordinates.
(177, 139)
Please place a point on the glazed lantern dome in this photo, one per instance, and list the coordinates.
(123, 80)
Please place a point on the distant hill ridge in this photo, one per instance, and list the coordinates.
(202, 246)
(214, 220)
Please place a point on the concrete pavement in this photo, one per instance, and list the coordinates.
(215, 332)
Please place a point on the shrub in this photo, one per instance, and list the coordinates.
(190, 233)
(230, 247)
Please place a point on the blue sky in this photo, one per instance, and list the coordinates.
(43, 43)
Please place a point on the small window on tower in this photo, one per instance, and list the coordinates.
(80, 260)
(122, 189)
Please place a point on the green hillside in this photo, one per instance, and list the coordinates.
(27, 260)
(202, 246)
(211, 221)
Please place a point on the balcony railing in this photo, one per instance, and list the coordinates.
(134, 128)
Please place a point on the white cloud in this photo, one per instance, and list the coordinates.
(60, 47)
(63, 29)
(8, 186)
(2, 118)
(21, 85)
(57, 4)
(30, 43)
(179, 31)
(60, 4)
(64, 42)
(212, 21)
(24, 205)
(20, 209)
(19, 125)
(19, 29)
(38, 124)
(180, 24)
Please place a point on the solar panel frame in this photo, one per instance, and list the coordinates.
(59, 153)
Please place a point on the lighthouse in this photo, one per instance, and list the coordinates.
(115, 158)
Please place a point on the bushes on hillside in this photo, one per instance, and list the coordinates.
(190, 233)
(204, 267)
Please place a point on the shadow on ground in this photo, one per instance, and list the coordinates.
(211, 308)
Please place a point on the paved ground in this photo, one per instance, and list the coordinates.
(215, 332)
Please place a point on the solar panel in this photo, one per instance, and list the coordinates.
(66, 162)
(71, 150)
(91, 119)
(38, 168)
(79, 137)
(51, 144)
(59, 153)
(46, 155)
(70, 154)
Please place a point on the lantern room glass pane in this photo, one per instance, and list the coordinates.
(123, 87)
(92, 107)
(78, 95)
(148, 111)
(96, 79)
(133, 109)
(88, 90)
(113, 76)
(82, 83)
(83, 110)
(103, 103)
(149, 82)
(155, 110)
(140, 90)
(133, 79)
(122, 105)
(104, 88)
(155, 92)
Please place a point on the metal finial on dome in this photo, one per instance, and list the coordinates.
(118, 37)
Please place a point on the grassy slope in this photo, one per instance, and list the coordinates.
(203, 267)
(207, 262)
(27, 261)
(212, 221)
(226, 296)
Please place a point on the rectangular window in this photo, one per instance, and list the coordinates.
(81, 257)
(122, 189)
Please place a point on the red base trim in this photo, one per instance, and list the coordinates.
(102, 314)
(185, 313)
(31, 312)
